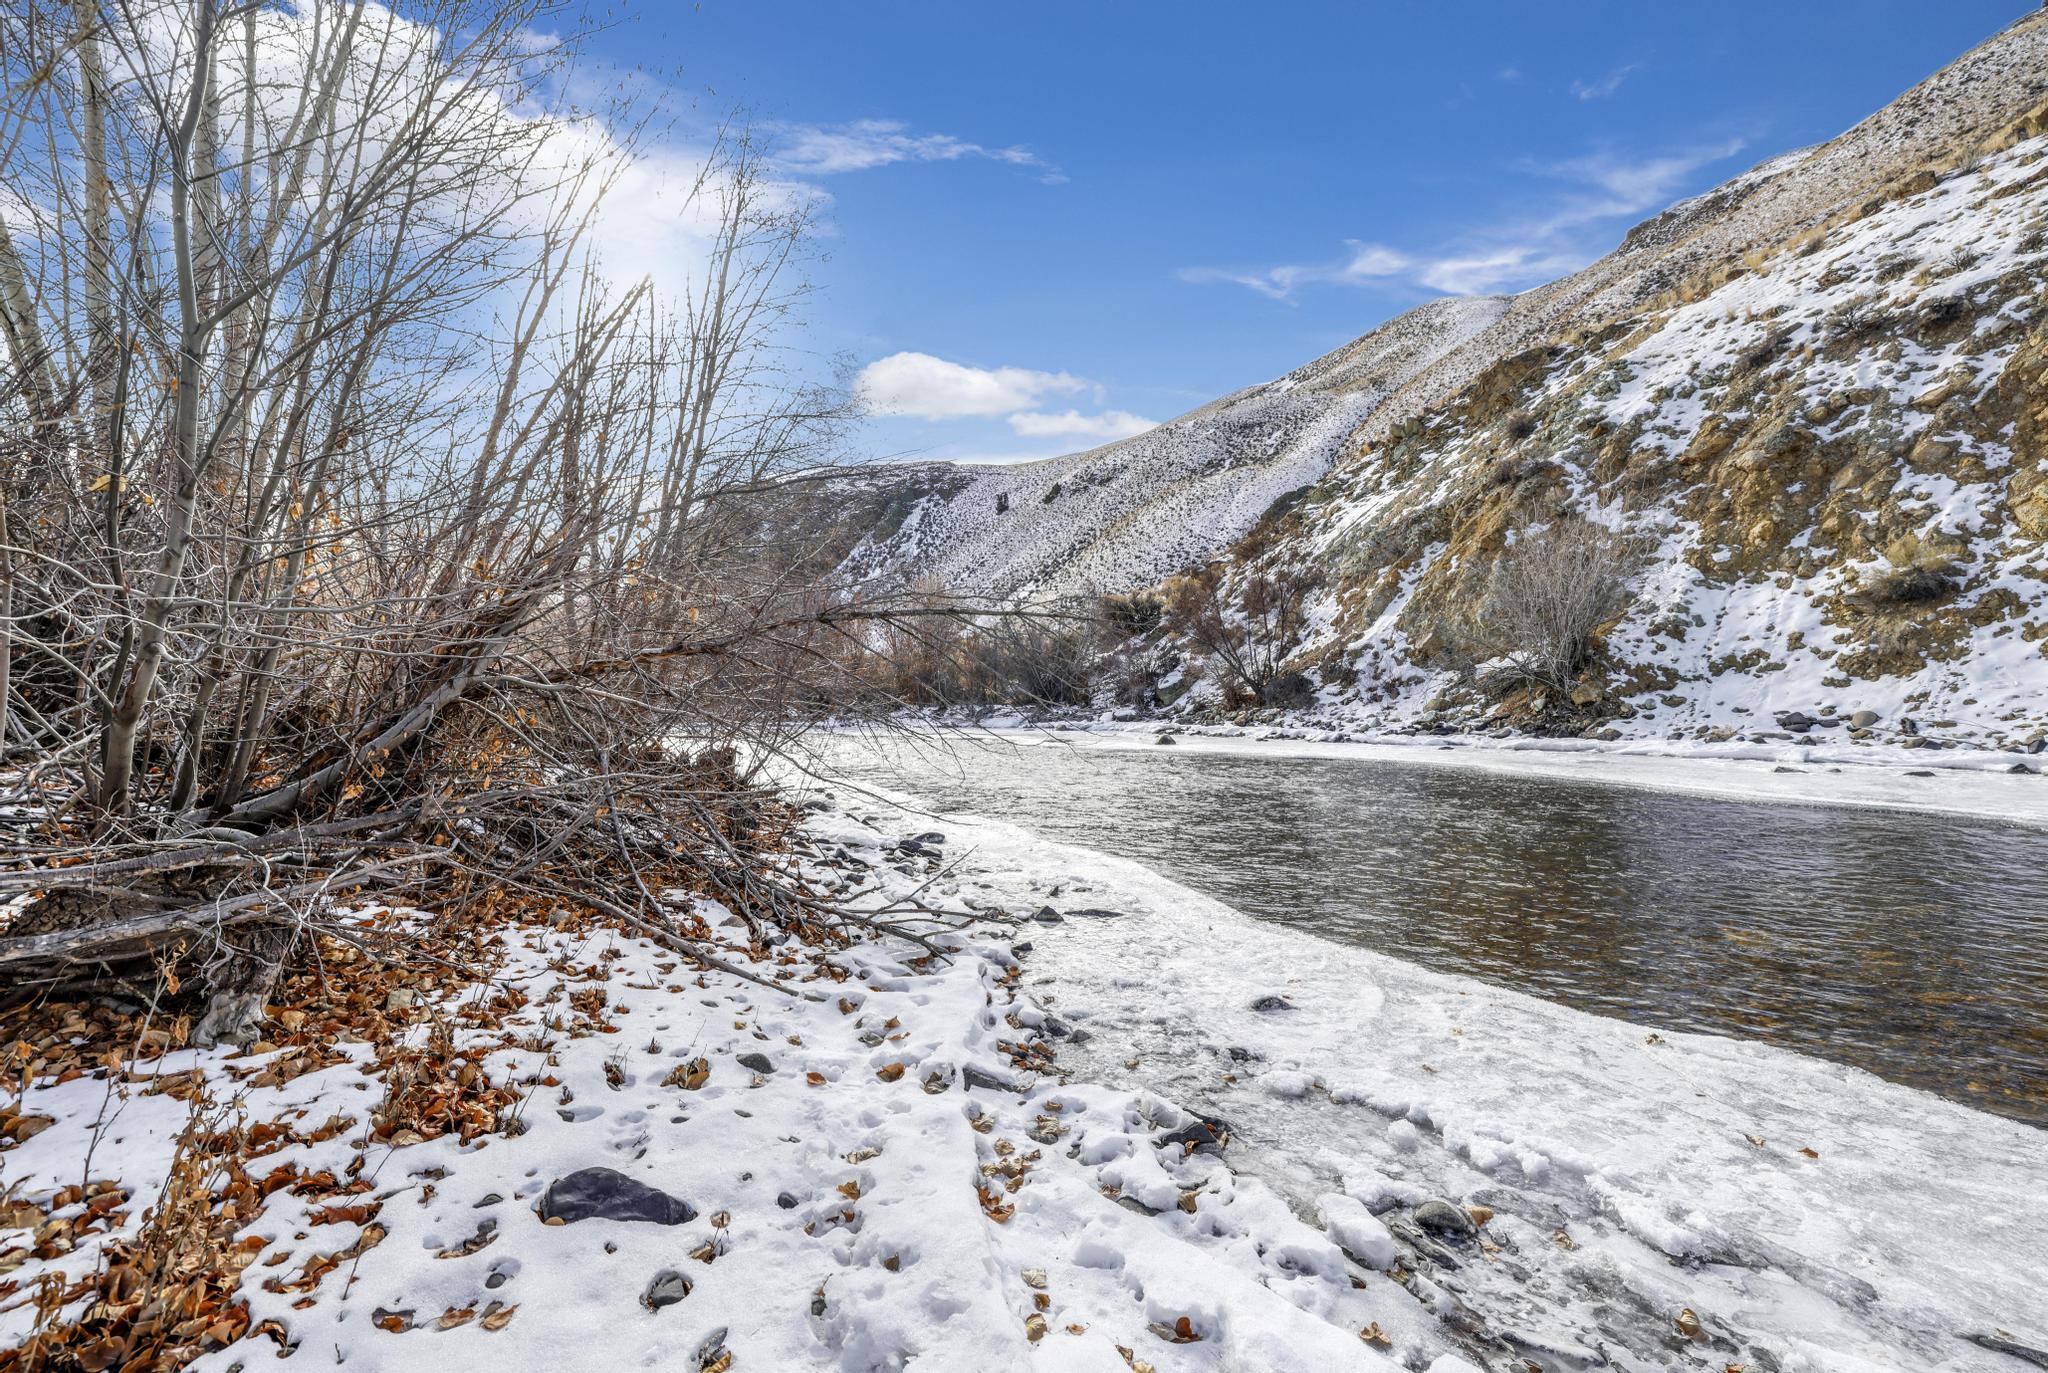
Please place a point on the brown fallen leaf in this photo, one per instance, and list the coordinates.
(1372, 1334)
(1187, 1200)
(850, 1190)
(1689, 1325)
(497, 1317)
(1480, 1214)
(689, 1076)
(889, 1072)
(1034, 1327)
(454, 1316)
(815, 1079)
(1809, 1153)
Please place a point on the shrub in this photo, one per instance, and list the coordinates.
(1552, 591)
(1915, 572)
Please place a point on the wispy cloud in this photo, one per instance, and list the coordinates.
(1107, 426)
(1600, 88)
(826, 149)
(1591, 194)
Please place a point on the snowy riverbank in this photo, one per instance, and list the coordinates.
(1975, 782)
(941, 1164)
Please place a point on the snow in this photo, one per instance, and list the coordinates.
(1972, 782)
(1802, 1211)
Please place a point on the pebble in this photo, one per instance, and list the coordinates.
(760, 1063)
(668, 1288)
(1444, 1218)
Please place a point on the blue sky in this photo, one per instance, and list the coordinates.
(1051, 224)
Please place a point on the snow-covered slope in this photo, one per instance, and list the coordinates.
(1129, 513)
(1813, 400)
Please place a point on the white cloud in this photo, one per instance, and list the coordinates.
(1603, 87)
(1107, 426)
(1596, 191)
(822, 149)
(924, 387)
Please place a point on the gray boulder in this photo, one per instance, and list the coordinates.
(607, 1194)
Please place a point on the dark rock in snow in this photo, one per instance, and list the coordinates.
(1203, 1132)
(1164, 739)
(1272, 1003)
(975, 1077)
(2021, 767)
(1132, 1203)
(785, 1201)
(1444, 1218)
(607, 1194)
(931, 839)
(1096, 913)
(1797, 721)
(1046, 915)
(1998, 1344)
(1864, 719)
(668, 1288)
(1918, 772)
(760, 1063)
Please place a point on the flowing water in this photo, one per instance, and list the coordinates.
(1911, 945)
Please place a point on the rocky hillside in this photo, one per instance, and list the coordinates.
(1813, 405)
(1129, 513)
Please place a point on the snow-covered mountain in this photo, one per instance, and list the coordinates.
(1132, 512)
(1816, 398)
(1812, 397)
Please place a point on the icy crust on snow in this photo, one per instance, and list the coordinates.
(858, 1218)
(1810, 1217)
(1134, 512)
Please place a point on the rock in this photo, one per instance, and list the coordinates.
(1132, 1203)
(497, 1280)
(931, 839)
(607, 1194)
(816, 804)
(401, 999)
(975, 1077)
(1272, 1002)
(489, 1199)
(1907, 725)
(1096, 913)
(1443, 1218)
(1918, 772)
(760, 1063)
(1046, 915)
(668, 1288)
(1864, 719)
(1782, 768)
(1798, 722)
(1164, 739)
(1209, 1133)
(2021, 768)
(1998, 1344)
(1587, 694)
(1914, 741)
(785, 1201)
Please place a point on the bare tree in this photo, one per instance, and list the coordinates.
(1249, 625)
(1553, 590)
(367, 525)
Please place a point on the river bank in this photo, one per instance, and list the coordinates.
(1111, 1124)
(1990, 784)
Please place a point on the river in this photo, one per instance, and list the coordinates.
(1912, 945)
